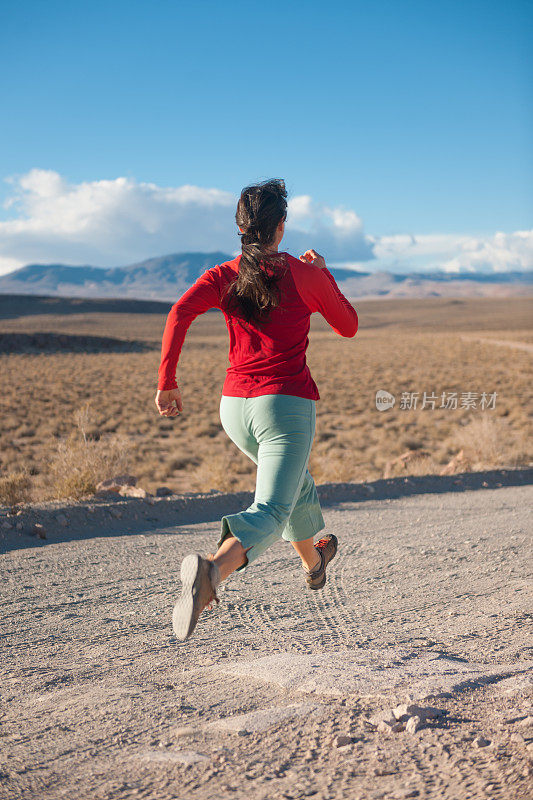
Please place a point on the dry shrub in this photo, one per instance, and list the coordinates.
(490, 442)
(426, 465)
(82, 461)
(14, 488)
(412, 462)
(216, 474)
(330, 467)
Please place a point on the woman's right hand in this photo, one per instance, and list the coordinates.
(168, 402)
(312, 257)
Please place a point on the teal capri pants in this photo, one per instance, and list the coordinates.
(276, 431)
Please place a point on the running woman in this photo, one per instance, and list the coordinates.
(268, 403)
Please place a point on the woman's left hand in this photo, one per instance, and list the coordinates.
(168, 402)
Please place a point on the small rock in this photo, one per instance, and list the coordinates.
(459, 463)
(133, 491)
(149, 500)
(390, 726)
(406, 710)
(382, 716)
(7, 525)
(413, 724)
(342, 741)
(527, 722)
(38, 530)
(61, 518)
(480, 741)
(116, 513)
(163, 491)
(381, 771)
(19, 526)
(115, 484)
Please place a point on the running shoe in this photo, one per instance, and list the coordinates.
(327, 548)
(198, 590)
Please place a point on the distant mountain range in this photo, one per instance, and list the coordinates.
(167, 277)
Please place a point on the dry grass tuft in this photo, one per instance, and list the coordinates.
(490, 442)
(332, 467)
(426, 465)
(82, 461)
(14, 488)
(222, 475)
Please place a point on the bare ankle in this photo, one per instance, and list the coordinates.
(312, 567)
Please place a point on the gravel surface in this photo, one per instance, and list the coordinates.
(281, 692)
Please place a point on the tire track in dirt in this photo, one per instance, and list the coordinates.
(332, 604)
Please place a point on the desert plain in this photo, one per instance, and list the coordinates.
(60, 359)
(408, 676)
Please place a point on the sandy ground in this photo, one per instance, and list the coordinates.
(427, 600)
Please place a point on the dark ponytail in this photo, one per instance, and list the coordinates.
(260, 209)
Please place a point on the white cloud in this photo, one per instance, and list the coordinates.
(111, 222)
(115, 222)
(300, 208)
(502, 252)
(120, 221)
(335, 231)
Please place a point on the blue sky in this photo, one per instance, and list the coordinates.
(415, 116)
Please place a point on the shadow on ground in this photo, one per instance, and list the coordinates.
(67, 343)
(21, 305)
(121, 516)
(390, 488)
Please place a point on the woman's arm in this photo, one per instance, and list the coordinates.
(319, 291)
(203, 295)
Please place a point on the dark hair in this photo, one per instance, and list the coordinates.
(261, 207)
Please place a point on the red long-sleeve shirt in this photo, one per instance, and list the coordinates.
(265, 359)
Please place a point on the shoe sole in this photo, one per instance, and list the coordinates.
(323, 582)
(319, 585)
(183, 622)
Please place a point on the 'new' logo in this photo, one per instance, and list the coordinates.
(384, 400)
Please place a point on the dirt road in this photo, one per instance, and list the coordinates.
(427, 600)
